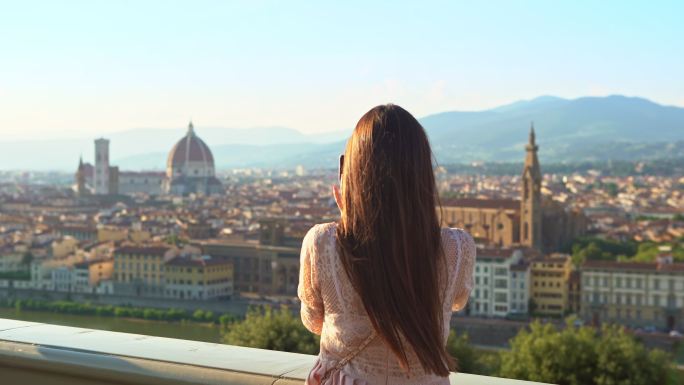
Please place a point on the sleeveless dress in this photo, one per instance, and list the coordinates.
(331, 307)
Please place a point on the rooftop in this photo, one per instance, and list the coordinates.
(507, 204)
(635, 266)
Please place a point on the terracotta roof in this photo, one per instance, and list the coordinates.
(644, 266)
(190, 149)
(506, 204)
(142, 250)
(491, 253)
(76, 228)
(522, 266)
(551, 259)
(674, 267)
(184, 261)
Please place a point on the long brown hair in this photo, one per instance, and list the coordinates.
(389, 234)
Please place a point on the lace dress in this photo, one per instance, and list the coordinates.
(330, 307)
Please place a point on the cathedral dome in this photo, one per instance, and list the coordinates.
(190, 149)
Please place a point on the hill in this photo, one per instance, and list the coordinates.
(568, 130)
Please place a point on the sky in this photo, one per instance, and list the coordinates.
(75, 68)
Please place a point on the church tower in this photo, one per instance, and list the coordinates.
(530, 209)
(80, 178)
(101, 176)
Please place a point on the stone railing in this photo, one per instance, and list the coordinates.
(36, 353)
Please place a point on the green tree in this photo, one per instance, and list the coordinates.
(266, 328)
(460, 348)
(582, 356)
(623, 360)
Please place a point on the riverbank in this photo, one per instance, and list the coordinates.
(236, 306)
(89, 309)
(196, 331)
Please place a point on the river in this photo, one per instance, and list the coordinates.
(183, 330)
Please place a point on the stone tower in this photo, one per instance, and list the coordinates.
(530, 209)
(101, 177)
(80, 178)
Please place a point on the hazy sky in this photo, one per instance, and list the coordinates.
(91, 67)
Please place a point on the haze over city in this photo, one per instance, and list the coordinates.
(84, 68)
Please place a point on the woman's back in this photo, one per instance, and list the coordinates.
(331, 307)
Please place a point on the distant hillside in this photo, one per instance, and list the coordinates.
(584, 129)
(613, 127)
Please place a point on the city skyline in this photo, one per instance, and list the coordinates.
(91, 68)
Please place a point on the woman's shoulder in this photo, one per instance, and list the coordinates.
(458, 240)
(320, 233)
(457, 233)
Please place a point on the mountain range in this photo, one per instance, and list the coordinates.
(588, 128)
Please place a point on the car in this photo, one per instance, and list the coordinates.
(674, 333)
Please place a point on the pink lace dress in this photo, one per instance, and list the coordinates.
(331, 308)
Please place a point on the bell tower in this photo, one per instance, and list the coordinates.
(530, 204)
(80, 178)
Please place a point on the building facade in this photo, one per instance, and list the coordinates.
(634, 294)
(190, 167)
(139, 270)
(199, 277)
(146, 182)
(101, 177)
(190, 170)
(531, 221)
(502, 281)
(550, 284)
(531, 203)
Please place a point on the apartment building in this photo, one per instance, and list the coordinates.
(502, 281)
(139, 270)
(634, 294)
(198, 277)
(550, 284)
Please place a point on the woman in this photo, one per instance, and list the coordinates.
(380, 285)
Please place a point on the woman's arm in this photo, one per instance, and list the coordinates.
(308, 290)
(465, 266)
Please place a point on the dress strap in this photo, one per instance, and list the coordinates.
(345, 360)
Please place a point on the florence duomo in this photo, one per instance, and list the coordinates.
(189, 170)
